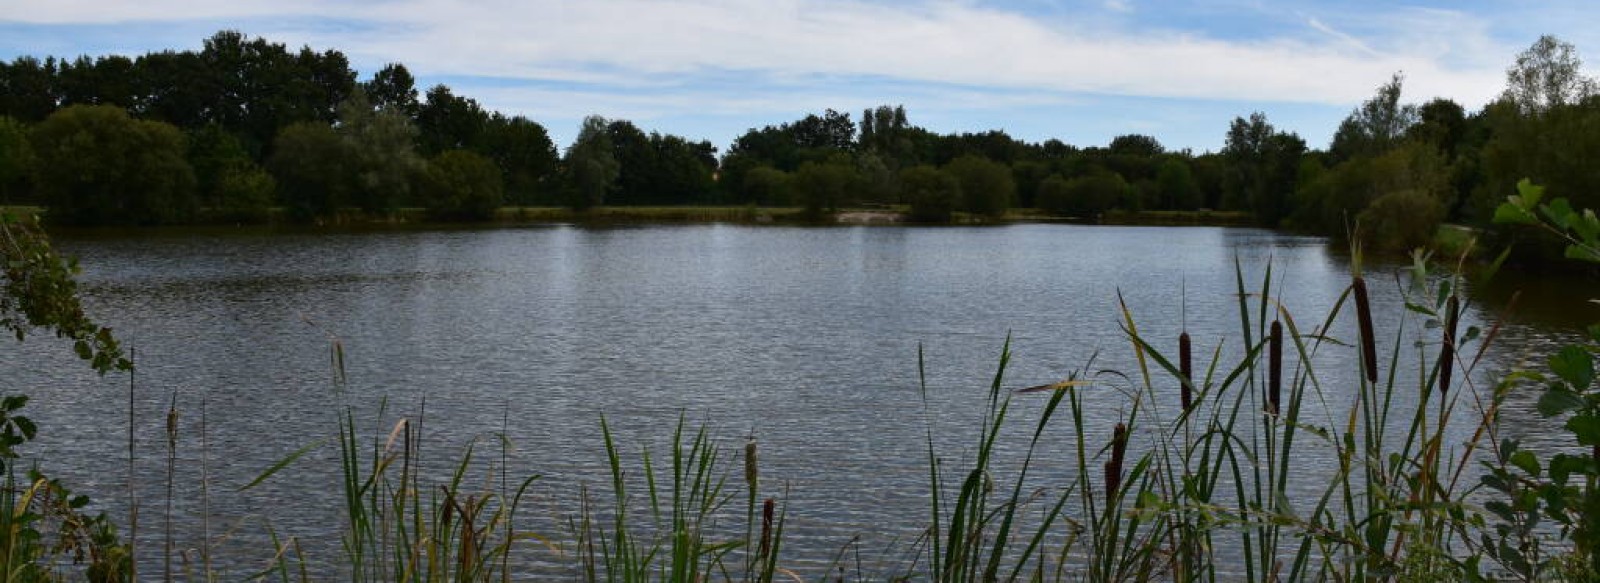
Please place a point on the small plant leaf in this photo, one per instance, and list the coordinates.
(1527, 462)
(1586, 427)
(1558, 400)
(1574, 365)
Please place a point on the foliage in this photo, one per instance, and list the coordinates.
(1376, 126)
(463, 185)
(1263, 166)
(313, 169)
(987, 187)
(1546, 76)
(1563, 488)
(16, 160)
(932, 193)
(823, 187)
(591, 165)
(382, 154)
(230, 183)
(98, 166)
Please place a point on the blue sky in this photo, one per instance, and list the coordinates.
(1080, 71)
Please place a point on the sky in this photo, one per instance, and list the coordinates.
(1079, 71)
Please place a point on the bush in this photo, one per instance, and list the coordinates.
(932, 194)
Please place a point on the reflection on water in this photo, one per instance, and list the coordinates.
(804, 337)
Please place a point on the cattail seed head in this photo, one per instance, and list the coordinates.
(766, 526)
(1119, 448)
(750, 472)
(1186, 366)
(1275, 368)
(1369, 345)
(1447, 353)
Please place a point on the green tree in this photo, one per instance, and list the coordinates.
(1091, 195)
(1261, 169)
(1548, 75)
(463, 185)
(1053, 196)
(824, 187)
(1376, 126)
(768, 186)
(231, 185)
(448, 122)
(314, 169)
(932, 193)
(97, 165)
(382, 150)
(987, 187)
(526, 157)
(16, 161)
(393, 88)
(591, 165)
(1177, 186)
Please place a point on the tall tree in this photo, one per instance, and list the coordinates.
(1549, 74)
(313, 167)
(987, 187)
(1376, 126)
(16, 161)
(1262, 165)
(448, 122)
(591, 165)
(393, 88)
(526, 157)
(383, 154)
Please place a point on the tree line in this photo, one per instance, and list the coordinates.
(245, 125)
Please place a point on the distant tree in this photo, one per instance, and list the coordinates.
(639, 169)
(987, 187)
(96, 165)
(448, 122)
(526, 157)
(230, 184)
(314, 170)
(1052, 196)
(1376, 126)
(1547, 75)
(878, 182)
(1028, 175)
(768, 186)
(393, 88)
(1262, 165)
(463, 185)
(932, 193)
(382, 146)
(30, 89)
(823, 187)
(591, 165)
(1176, 185)
(176, 88)
(16, 161)
(1091, 195)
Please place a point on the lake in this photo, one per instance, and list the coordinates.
(805, 338)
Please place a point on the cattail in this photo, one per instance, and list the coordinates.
(1447, 353)
(1119, 447)
(1275, 368)
(1369, 346)
(750, 474)
(766, 527)
(1185, 366)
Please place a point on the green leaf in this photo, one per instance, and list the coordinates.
(1574, 365)
(1586, 426)
(1529, 192)
(1583, 253)
(29, 430)
(1559, 211)
(1527, 462)
(1511, 214)
(1558, 400)
(1563, 465)
(289, 459)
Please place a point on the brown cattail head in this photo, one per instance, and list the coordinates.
(766, 527)
(750, 473)
(1275, 368)
(1186, 366)
(1119, 448)
(1369, 345)
(1447, 353)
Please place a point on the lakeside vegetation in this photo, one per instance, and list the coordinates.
(246, 130)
